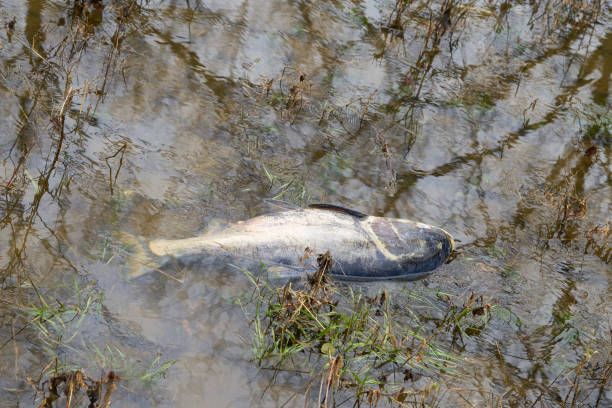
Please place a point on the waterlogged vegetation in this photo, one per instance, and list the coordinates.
(373, 350)
(357, 347)
(141, 119)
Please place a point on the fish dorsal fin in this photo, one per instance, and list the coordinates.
(332, 207)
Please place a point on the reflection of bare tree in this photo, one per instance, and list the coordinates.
(34, 34)
(55, 102)
(601, 87)
(124, 18)
(564, 225)
(46, 126)
(559, 107)
(539, 344)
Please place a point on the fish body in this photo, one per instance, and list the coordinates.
(363, 247)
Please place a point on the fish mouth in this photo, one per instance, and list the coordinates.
(450, 239)
(437, 245)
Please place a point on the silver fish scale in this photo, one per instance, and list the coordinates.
(362, 248)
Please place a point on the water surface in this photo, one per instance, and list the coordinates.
(164, 119)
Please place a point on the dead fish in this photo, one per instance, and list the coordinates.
(286, 243)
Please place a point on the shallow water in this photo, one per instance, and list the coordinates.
(492, 121)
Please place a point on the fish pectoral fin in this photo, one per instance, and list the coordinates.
(285, 272)
(274, 205)
(223, 247)
(337, 208)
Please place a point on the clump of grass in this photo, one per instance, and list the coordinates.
(355, 346)
(57, 323)
(75, 388)
(110, 357)
(63, 329)
(595, 123)
(565, 206)
(598, 242)
(584, 384)
(571, 204)
(291, 94)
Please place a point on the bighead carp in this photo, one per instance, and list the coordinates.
(286, 243)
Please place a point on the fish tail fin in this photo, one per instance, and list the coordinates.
(140, 259)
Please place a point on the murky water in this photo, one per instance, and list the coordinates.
(163, 119)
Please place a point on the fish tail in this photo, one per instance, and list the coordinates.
(140, 259)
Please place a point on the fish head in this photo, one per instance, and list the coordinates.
(417, 247)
